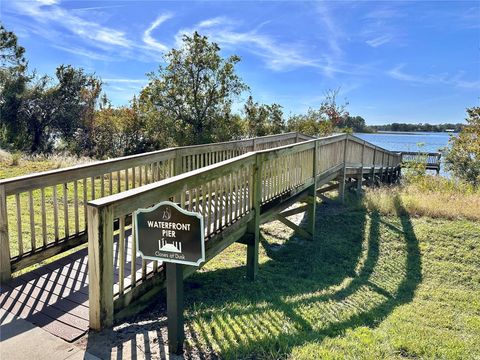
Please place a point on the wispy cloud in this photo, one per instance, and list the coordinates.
(126, 81)
(277, 55)
(47, 11)
(379, 41)
(456, 80)
(147, 35)
(93, 55)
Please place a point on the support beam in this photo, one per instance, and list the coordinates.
(341, 189)
(100, 266)
(295, 227)
(175, 307)
(295, 211)
(312, 195)
(253, 226)
(360, 176)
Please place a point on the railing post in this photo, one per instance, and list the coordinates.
(360, 177)
(341, 189)
(5, 267)
(100, 266)
(254, 144)
(253, 226)
(297, 137)
(372, 179)
(381, 166)
(177, 169)
(312, 195)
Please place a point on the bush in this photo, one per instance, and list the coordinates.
(463, 156)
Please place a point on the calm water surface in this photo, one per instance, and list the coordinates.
(415, 141)
(432, 142)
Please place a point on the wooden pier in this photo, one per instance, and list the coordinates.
(235, 186)
(431, 160)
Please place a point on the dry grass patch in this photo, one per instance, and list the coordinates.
(430, 196)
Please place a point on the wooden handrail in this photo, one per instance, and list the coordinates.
(231, 196)
(63, 193)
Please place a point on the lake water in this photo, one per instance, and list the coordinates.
(432, 141)
(429, 142)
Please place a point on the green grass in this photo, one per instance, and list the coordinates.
(28, 166)
(378, 282)
(370, 286)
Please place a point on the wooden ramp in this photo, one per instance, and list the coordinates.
(234, 188)
(55, 295)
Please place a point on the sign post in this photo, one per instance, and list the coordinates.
(168, 233)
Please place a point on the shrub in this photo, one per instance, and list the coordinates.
(463, 156)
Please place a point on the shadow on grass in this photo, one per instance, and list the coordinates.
(305, 292)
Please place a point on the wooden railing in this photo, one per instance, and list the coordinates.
(44, 214)
(233, 196)
(430, 160)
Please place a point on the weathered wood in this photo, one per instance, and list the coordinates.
(176, 335)
(100, 267)
(121, 254)
(33, 242)
(5, 269)
(306, 234)
(253, 226)
(47, 251)
(295, 211)
(341, 189)
(19, 224)
(312, 193)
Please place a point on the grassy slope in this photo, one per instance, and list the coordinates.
(370, 286)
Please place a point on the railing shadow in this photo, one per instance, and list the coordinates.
(230, 317)
(341, 278)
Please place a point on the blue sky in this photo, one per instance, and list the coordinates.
(393, 61)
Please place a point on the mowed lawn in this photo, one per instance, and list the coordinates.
(369, 287)
(372, 285)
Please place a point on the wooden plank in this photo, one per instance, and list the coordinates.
(51, 249)
(5, 270)
(33, 243)
(75, 206)
(294, 227)
(65, 209)
(100, 267)
(121, 251)
(253, 226)
(44, 217)
(19, 225)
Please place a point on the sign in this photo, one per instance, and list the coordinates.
(168, 233)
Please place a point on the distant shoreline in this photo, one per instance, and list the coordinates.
(407, 132)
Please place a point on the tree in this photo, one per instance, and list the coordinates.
(13, 80)
(263, 119)
(463, 156)
(276, 123)
(332, 112)
(11, 54)
(194, 89)
(322, 121)
(256, 118)
(355, 123)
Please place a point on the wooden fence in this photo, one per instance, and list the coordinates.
(44, 214)
(234, 197)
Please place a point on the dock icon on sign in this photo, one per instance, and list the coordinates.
(175, 246)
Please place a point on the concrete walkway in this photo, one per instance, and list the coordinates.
(20, 339)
